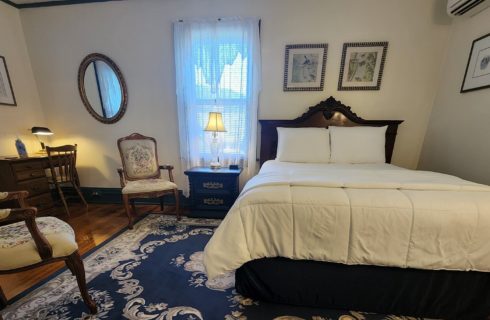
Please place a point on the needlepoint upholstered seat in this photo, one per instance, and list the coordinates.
(18, 248)
(27, 242)
(140, 175)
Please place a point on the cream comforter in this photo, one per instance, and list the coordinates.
(354, 214)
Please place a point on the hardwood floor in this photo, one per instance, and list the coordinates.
(91, 229)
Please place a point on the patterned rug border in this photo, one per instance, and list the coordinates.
(140, 218)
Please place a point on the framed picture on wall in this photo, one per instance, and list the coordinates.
(361, 67)
(304, 67)
(7, 96)
(477, 74)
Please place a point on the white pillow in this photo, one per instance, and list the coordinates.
(358, 144)
(303, 145)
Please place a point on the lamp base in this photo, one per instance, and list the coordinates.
(215, 165)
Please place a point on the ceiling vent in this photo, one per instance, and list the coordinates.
(469, 8)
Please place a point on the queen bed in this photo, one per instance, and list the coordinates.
(353, 231)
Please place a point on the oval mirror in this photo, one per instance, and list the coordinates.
(102, 88)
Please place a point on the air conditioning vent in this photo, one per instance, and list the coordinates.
(466, 7)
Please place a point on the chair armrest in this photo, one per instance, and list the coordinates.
(28, 215)
(122, 180)
(169, 168)
(20, 196)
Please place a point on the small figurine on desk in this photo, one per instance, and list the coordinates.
(21, 148)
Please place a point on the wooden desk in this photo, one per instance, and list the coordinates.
(28, 174)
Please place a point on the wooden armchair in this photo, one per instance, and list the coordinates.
(27, 242)
(141, 174)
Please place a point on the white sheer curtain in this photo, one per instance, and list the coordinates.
(110, 89)
(218, 69)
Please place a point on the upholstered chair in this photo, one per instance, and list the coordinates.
(140, 174)
(28, 242)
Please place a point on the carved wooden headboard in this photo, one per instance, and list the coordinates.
(327, 113)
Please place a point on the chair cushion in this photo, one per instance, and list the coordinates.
(148, 185)
(18, 249)
(139, 158)
(4, 213)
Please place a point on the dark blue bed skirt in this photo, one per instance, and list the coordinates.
(409, 292)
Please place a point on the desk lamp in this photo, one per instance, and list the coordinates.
(41, 131)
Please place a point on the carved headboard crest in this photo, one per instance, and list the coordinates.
(327, 113)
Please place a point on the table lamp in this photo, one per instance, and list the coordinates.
(215, 125)
(41, 131)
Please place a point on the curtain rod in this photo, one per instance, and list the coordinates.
(182, 20)
(218, 19)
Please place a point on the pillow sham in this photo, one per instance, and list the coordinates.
(311, 145)
(357, 144)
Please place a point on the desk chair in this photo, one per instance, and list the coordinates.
(62, 163)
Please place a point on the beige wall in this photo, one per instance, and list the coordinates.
(138, 36)
(15, 121)
(458, 136)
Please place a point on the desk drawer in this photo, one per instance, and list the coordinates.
(41, 202)
(27, 166)
(35, 187)
(29, 174)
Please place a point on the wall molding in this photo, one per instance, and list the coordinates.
(114, 196)
(51, 3)
(10, 3)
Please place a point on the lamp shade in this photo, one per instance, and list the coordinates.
(42, 131)
(215, 122)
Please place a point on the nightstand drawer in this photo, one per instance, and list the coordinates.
(211, 184)
(213, 202)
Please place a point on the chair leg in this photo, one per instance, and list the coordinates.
(128, 210)
(3, 300)
(77, 189)
(70, 266)
(62, 196)
(161, 203)
(79, 270)
(133, 207)
(177, 203)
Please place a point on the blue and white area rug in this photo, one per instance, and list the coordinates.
(155, 271)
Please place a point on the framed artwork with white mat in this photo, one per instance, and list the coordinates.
(362, 65)
(7, 96)
(304, 67)
(477, 74)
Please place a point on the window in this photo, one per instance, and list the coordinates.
(218, 70)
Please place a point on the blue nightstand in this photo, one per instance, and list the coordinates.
(212, 191)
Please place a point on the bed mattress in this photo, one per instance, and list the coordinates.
(376, 214)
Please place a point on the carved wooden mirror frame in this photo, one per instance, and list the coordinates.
(81, 87)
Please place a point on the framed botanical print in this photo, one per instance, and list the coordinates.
(7, 96)
(362, 65)
(304, 67)
(477, 74)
